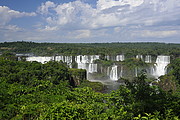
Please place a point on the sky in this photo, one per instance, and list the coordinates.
(90, 21)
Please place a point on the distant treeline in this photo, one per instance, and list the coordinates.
(129, 49)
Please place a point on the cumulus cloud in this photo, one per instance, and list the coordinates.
(109, 13)
(74, 13)
(118, 19)
(44, 8)
(6, 14)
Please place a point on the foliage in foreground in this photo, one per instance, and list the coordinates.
(31, 90)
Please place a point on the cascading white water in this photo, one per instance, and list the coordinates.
(120, 58)
(81, 61)
(107, 57)
(115, 58)
(92, 68)
(136, 71)
(59, 58)
(121, 72)
(84, 59)
(78, 59)
(151, 70)
(148, 59)
(66, 59)
(40, 59)
(139, 57)
(82, 66)
(114, 73)
(93, 57)
(160, 65)
(86, 62)
(108, 71)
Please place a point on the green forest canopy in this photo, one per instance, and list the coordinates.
(129, 49)
(31, 90)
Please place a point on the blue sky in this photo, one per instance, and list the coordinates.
(85, 21)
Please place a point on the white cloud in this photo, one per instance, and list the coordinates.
(156, 34)
(78, 34)
(110, 13)
(13, 28)
(6, 14)
(105, 20)
(44, 8)
(83, 34)
(76, 13)
(115, 19)
(48, 28)
(10, 28)
(105, 4)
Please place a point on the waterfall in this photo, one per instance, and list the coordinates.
(59, 58)
(92, 68)
(107, 57)
(93, 57)
(78, 59)
(151, 70)
(82, 66)
(121, 72)
(66, 59)
(108, 71)
(86, 62)
(113, 73)
(148, 59)
(81, 61)
(40, 59)
(84, 59)
(136, 71)
(139, 57)
(160, 65)
(120, 58)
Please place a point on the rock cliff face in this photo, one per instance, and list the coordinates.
(77, 76)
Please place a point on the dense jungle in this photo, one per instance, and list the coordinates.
(30, 90)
